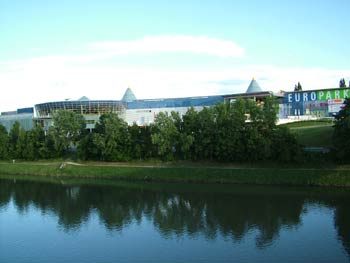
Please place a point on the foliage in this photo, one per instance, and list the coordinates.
(298, 87)
(341, 138)
(13, 140)
(285, 147)
(21, 144)
(35, 141)
(49, 150)
(4, 143)
(200, 126)
(141, 142)
(67, 130)
(168, 137)
(342, 83)
(110, 140)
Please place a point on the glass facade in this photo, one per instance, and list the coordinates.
(92, 107)
(174, 102)
(24, 119)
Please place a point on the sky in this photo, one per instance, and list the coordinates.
(59, 50)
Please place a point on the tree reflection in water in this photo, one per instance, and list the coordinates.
(177, 210)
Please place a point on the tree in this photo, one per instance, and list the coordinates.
(298, 87)
(169, 137)
(164, 135)
(141, 142)
(185, 141)
(342, 83)
(35, 144)
(269, 113)
(190, 127)
(341, 138)
(48, 150)
(21, 144)
(284, 146)
(111, 139)
(201, 126)
(67, 130)
(3, 143)
(230, 122)
(256, 142)
(13, 139)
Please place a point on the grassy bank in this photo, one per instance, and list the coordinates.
(277, 176)
(316, 133)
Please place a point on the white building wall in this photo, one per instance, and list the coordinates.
(147, 116)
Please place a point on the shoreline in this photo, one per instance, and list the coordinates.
(335, 177)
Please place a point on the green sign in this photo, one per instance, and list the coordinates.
(303, 96)
(333, 94)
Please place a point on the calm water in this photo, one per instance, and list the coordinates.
(72, 222)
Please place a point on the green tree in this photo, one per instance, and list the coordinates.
(168, 136)
(87, 150)
(341, 138)
(342, 83)
(111, 138)
(285, 147)
(230, 120)
(49, 150)
(184, 141)
(191, 127)
(35, 144)
(67, 130)
(238, 123)
(269, 113)
(13, 139)
(206, 136)
(141, 142)
(21, 144)
(4, 140)
(164, 135)
(136, 141)
(254, 142)
(300, 88)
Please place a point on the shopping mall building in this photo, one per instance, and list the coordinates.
(292, 105)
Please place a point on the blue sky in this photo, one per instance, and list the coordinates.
(53, 50)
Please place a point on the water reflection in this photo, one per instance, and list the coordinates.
(177, 210)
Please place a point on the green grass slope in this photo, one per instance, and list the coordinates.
(313, 133)
(303, 177)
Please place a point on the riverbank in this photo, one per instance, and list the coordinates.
(193, 174)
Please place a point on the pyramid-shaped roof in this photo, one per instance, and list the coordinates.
(84, 98)
(128, 96)
(253, 87)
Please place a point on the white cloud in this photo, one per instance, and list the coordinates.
(201, 45)
(176, 43)
(53, 78)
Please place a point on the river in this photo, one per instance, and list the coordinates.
(108, 221)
